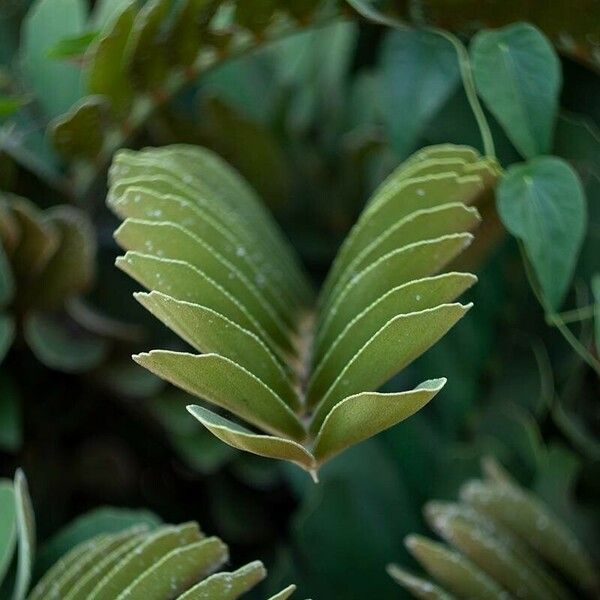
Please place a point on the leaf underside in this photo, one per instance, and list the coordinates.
(298, 371)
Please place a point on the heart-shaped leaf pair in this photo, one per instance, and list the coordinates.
(302, 371)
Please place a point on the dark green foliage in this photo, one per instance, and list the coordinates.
(47, 260)
(314, 112)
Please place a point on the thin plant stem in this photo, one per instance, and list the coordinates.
(466, 74)
(556, 319)
(578, 314)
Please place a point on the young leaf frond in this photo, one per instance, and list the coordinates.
(303, 370)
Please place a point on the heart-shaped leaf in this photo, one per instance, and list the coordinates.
(517, 73)
(542, 203)
(418, 71)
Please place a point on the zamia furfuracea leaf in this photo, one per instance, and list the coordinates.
(145, 53)
(298, 373)
(499, 541)
(163, 562)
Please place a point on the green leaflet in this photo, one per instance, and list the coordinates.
(143, 54)
(106, 74)
(71, 268)
(8, 525)
(141, 203)
(226, 384)
(72, 47)
(170, 561)
(36, 243)
(527, 518)
(47, 259)
(397, 198)
(53, 578)
(79, 132)
(419, 588)
(25, 536)
(542, 203)
(206, 180)
(414, 296)
(150, 551)
(174, 573)
(183, 282)
(508, 560)
(503, 541)
(228, 586)
(95, 554)
(188, 28)
(395, 345)
(425, 224)
(221, 275)
(57, 345)
(517, 73)
(268, 257)
(492, 556)
(359, 417)
(264, 445)
(81, 529)
(87, 583)
(208, 331)
(10, 105)
(284, 594)
(455, 572)
(400, 266)
(176, 243)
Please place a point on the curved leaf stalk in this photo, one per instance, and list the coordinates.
(374, 15)
(470, 91)
(556, 319)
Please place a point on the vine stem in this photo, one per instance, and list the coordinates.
(464, 64)
(555, 318)
(466, 74)
(578, 314)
